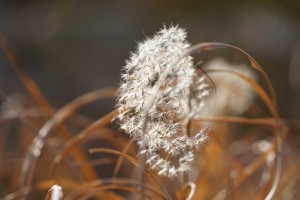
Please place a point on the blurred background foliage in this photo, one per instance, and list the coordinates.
(72, 46)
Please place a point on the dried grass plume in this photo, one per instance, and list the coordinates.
(167, 143)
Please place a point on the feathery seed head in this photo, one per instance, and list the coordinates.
(178, 98)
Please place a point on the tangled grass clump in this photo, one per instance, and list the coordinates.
(167, 107)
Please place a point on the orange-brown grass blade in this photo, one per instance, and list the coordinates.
(134, 162)
(82, 136)
(271, 102)
(278, 135)
(18, 194)
(112, 184)
(132, 189)
(26, 80)
(119, 153)
(250, 169)
(240, 120)
(209, 46)
(56, 120)
(120, 159)
(34, 91)
(67, 184)
(100, 194)
(258, 89)
(112, 137)
(218, 144)
(88, 187)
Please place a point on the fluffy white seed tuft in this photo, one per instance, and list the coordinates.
(165, 138)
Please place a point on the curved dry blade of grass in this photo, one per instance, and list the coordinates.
(19, 112)
(28, 83)
(25, 115)
(280, 130)
(132, 189)
(112, 184)
(227, 119)
(81, 137)
(209, 46)
(192, 190)
(276, 124)
(269, 121)
(94, 162)
(67, 184)
(271, 102)
(120, 159)
(99, 194)
(10, 114)
(18, 194)
(134, 162)
(39, 141)
(240, 120)
(218, 144)
(113, 138)
(34, 91)
(257, 88)
(87, 187)
(119, 153)
(250, 169)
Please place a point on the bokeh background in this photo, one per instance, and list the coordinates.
(73, 46)
(70, 47)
